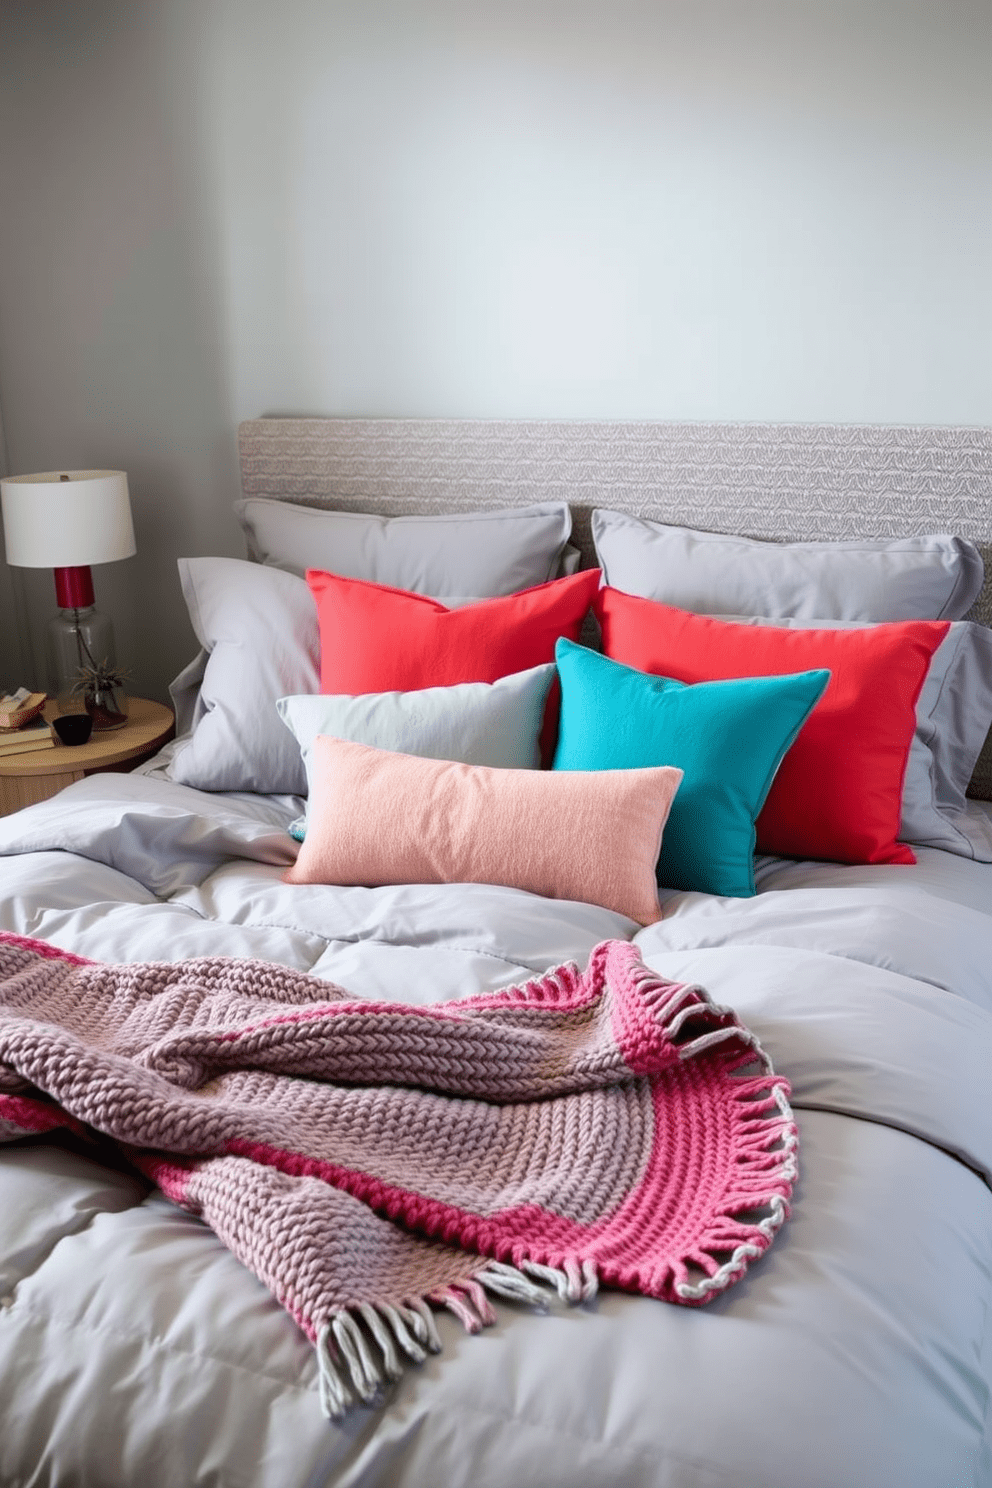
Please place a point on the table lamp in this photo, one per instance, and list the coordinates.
(66, 521)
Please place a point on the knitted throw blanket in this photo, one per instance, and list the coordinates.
(369, 1160)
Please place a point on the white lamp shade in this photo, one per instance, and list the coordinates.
(53, 522)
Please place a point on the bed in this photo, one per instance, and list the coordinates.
(855, 1346)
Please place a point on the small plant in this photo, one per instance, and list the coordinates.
(101, 688)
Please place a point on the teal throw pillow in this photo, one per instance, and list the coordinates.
(728, 737)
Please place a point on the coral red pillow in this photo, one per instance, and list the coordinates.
(838, 791)
(382, 818)
(376, 639)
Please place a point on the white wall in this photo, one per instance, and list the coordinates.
(211, 209)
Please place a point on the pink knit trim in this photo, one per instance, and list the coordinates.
(43, 948)
(171, 1175)
(35, 1115)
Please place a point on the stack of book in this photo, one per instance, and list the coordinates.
(21, 726)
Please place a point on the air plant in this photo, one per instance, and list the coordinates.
(101, 686)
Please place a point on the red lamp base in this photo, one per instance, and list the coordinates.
(74, 587)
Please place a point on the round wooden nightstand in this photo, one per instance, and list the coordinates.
(39, 773)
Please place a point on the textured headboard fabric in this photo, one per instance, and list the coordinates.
(786, 482)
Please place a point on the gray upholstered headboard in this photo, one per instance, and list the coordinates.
(779, 481)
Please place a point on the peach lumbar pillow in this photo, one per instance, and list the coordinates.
(376, 817)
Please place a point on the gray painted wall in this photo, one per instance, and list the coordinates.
(212, 209)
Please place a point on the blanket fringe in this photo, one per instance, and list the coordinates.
(469, 1303)
(574, 1282)
(347, 1366)
(366, 1376)
(360, 1349)
(508, 1281)
(417, 1309)
(335, 1396)
(723, 1275)
(778, 1139)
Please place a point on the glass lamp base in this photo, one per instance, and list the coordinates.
(82, 673)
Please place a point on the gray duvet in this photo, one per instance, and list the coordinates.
(135, 1350)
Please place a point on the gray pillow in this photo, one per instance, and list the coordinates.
(917, 578)
(479, 554)
(478, 723)
(953, 717)
(258, 630)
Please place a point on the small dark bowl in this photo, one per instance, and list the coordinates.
(73, 728)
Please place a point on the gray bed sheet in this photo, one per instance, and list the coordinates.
(135, 1349)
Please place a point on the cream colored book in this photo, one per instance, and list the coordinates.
(34, 735)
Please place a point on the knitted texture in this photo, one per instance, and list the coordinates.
(365, 1159)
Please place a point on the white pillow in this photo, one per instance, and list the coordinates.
(477, 723)
(936, 577)
(479, 554)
